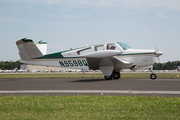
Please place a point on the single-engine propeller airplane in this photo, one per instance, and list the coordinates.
(110, 58)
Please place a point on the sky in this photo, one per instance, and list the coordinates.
(65, 24)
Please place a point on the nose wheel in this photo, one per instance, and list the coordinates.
(153, 76)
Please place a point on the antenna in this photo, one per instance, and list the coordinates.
(85, 43)
(40, 41)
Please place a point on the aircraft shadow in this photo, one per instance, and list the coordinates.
(89, 80)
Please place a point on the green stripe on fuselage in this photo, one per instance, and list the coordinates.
(52, 56)
(42, 42)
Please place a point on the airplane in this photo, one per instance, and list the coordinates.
(110, 58)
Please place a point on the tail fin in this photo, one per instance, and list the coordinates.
(27, 49)
(42, 47)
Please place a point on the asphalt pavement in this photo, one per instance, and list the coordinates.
(78, 86)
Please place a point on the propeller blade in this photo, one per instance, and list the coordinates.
(157, 53)
(160, 65)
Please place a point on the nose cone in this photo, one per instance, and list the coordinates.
(158, 53)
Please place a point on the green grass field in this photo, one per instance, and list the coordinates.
(89, 107)
(87, 75)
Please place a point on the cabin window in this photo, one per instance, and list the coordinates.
(98, 48)
(84, 51)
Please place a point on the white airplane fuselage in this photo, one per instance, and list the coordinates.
(108, 57)
(137, 58)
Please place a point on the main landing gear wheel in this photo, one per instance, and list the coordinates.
(153, 76)
(116, 75)
(108, 77)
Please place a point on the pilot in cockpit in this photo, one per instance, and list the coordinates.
(108, 47)
(113, 47)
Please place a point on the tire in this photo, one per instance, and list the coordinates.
(108, 77)
(153, 76)
(116, 75)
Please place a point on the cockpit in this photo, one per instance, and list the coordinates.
(111, 46)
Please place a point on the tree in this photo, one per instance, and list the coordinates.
(167, 66)
(9, 65)
(2, 65)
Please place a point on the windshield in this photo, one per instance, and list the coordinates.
(124, 46)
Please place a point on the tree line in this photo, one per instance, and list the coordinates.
(167, 66)
(10, 65)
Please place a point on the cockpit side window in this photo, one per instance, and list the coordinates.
(84, 51)
(112, 47)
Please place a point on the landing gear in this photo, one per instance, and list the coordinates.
(153, 76)
(115, 75)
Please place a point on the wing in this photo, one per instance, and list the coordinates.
(117, 63)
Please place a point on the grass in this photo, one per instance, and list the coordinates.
(87, 75)
(89, 107)
(50, 75)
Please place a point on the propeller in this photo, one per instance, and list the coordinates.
(157, 53)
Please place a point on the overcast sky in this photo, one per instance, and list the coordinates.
(65, 24)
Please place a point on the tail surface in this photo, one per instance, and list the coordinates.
(42, 47)
(27, 49)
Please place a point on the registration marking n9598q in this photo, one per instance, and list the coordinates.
(72, 63)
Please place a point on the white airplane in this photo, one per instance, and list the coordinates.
(110, 58)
